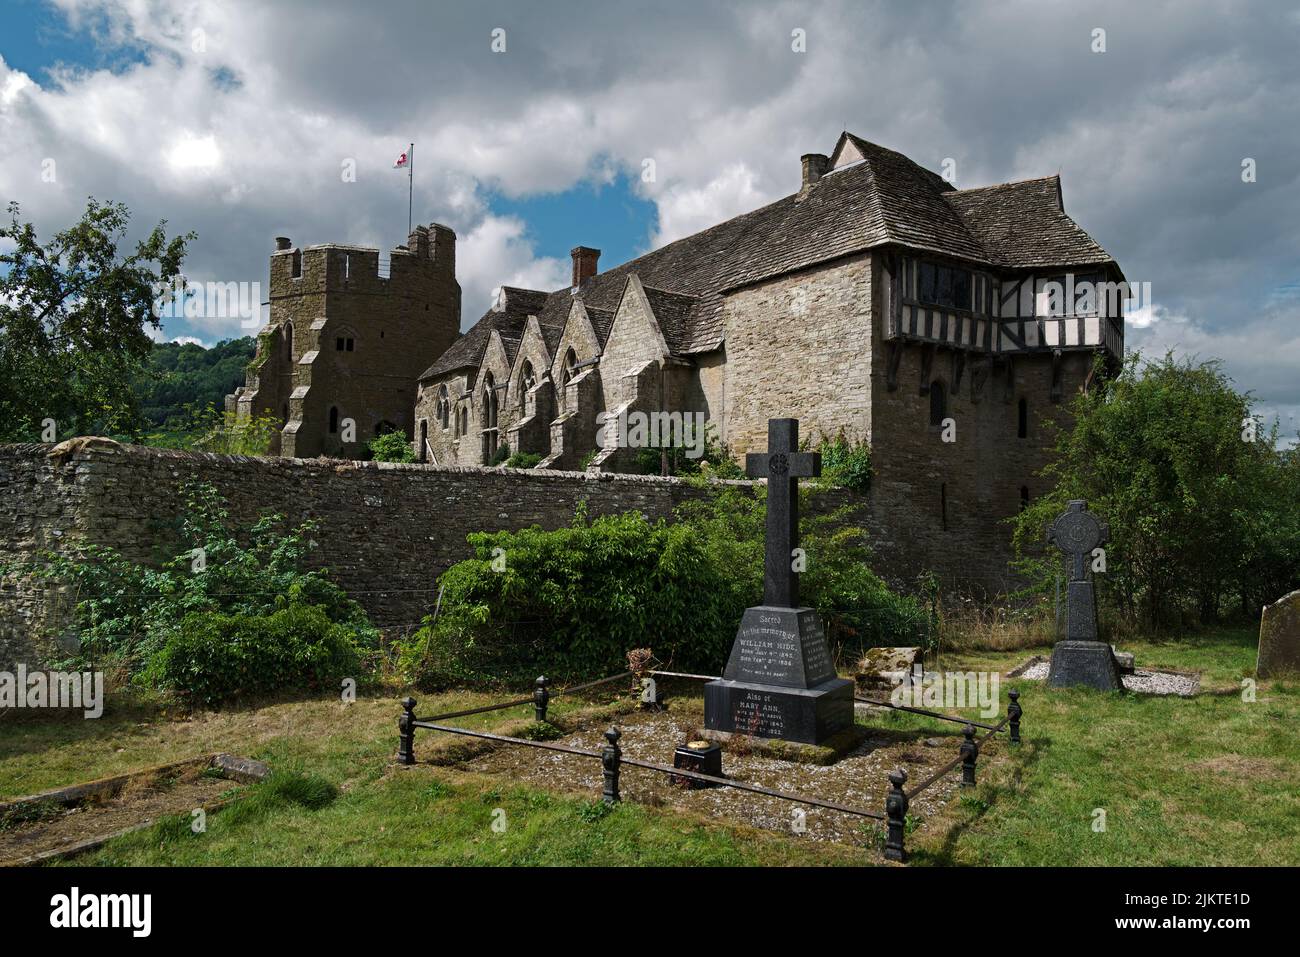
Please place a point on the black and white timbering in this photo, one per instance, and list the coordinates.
(1080, 659)
(780, 681)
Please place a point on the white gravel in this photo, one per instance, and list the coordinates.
(1141, 681)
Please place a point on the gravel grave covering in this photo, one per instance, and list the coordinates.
(858, 780)
(1141, 681)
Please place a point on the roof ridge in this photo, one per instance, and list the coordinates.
(1010, 182)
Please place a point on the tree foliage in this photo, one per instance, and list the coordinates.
(126, 611)
(1202, 519)
(179, 377)
(74, 314)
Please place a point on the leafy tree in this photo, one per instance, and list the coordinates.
(180, 376)
(73, 320)
(1194, 509)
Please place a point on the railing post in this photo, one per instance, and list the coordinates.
(541, 696)
(406, 729)
(1014, 711)
(611, 758)
(896, 814)
(970, 751)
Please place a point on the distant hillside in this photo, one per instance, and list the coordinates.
(178, 376)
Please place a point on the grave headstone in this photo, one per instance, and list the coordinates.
(1080, 659)
(780, 681)
(1279, 637)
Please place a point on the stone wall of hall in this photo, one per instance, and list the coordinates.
(943, 506)
(800, 346)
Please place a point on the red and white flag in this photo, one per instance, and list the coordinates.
(403, 160)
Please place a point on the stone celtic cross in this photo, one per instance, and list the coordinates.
(1077, 532)
(782, 465)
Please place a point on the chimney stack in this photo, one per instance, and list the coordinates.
(815, 165)
(584, 264)
(282, 243)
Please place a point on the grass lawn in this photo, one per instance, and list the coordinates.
(1210, 780)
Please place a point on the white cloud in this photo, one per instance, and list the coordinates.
(244, 139)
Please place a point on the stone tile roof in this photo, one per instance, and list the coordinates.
(885, 198)
(1023, 225)
(673, 311)
(467, 351)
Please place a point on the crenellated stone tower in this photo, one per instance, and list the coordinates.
(340, 358)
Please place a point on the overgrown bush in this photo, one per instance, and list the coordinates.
(391, 447)
(212, 658)
(846, 463)
(571, 602)
(125, 612)
(523, 460)
(501, 455)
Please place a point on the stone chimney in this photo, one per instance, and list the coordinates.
(815, 165)
(282, 243)
(584, 264)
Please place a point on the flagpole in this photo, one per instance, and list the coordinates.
(410, 185)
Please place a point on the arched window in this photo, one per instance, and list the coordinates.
(938, 403)
(489, 417)
(1024, 495)
(1022, 426)
(334, 419)
(444, 408)
(284, 410)
(526, 382)
(288, 340)
(424, 440)
(490, 402)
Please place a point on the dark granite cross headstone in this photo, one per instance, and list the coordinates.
(782, 465)
(1081, 659)
(780, 679)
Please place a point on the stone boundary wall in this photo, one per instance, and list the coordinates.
(387, 531)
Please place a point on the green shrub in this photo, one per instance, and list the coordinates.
(213, 658)
(501, 455)
(846, 464)
(523, 460)
(126, 611)
(391, 447)
(570, 603)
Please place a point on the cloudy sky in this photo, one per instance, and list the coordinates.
(238, 120)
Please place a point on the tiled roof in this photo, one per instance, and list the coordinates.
(885, 198)
(467, 351)
(1022, 225)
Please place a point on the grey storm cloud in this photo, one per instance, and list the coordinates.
(244, 140)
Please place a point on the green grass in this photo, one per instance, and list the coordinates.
(1212, 780)
(435, 816)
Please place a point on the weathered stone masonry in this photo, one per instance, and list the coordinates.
(387, 531)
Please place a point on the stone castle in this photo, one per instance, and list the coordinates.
(877, 301)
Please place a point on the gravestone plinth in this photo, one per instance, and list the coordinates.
(780, 681)
(1081, 659)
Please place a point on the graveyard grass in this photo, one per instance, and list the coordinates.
(1211, 780)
